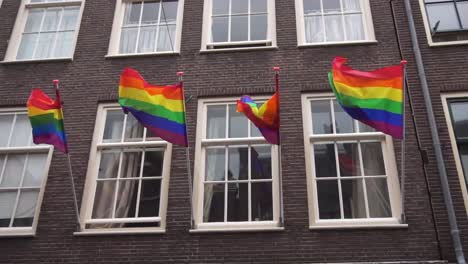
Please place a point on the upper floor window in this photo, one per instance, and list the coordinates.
(23, 171)
(447, 20)
(238, 24)
(351, 170)
(45, 29)
(145, 27)
(333, 21)
(128, 175)
(236, 181)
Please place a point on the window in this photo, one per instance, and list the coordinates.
(236, 181)
(23, 172)
(128, 174)
(447, 20)
(45, 29)
(238, 24)
(455, 107)
(352, 175)
(333, 21)
(146, 27)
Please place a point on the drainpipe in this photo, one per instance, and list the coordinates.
(455, 233)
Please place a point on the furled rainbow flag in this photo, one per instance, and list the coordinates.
(374, 98)
(266, 118)
(158, 108)
(46, 119)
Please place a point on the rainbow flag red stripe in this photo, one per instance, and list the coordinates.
(266, 118)
(158, 108)
(374, 98)
(46, 119)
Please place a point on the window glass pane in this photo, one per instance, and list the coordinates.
(150, 198)
(314, 29)
(372, 159)
(238, 202)
(33, 23)
(170, 12)
(126, 198)
(353, 198)
(220, 7)
(13, 170)
(5, 128)
(343, 122)
(348, 157)
(463, 151)
(34, 170)
(312, 7)
(354, 27)
(146, 43)
(377, 195)
(166, 40)
(26, 48)
(259, 6)
(153, 164)
(44, 45)
(463, 12)
(150, 12)
(213, 203)
(220, 29)
(363, 128)
(108, 168)
(128, 40)
(216, 125)
(131, 163)
(238, 163)
(331, 6)
(321, 117)
(104, 199)
(132, 13)
(254, 131)
(238, 123)
(214, 167)
(260, 162)
(239, 28)
(113, 127)
(133, 129)
(328, 199)
(22, 133)
(351, 5)
(262, 201)
(334, 28)
(460, 118)
(239, 6)
(325, 162)
(445, 13)
(258, 27)
(64, 44)
(51, 20)
(7, 202)
(70, 16)
(26, 208)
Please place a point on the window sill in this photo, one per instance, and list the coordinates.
(36, 60)
(238, 49)
(448, 43)
(17, 232)
(362, 226)
(341, 43)
(236, 230)
(117, 56)
(94, 232)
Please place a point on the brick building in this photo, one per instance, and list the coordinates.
(338, 197)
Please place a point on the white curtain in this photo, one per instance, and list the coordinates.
(314, 29)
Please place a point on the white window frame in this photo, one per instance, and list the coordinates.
(206, 32)
(26, 231)
(199, 172)
(456, 155)
(92, 173)
(117, 30)
(21, 18)
(312, 195)
(368, 27)
(427, 28)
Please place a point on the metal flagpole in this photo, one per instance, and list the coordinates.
(187, 151)
(403, 152)
(57, 93)
(280, 172)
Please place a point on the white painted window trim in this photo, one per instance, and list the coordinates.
(427, 28)
(1, 1)
(206, 32)
(199, 172)
(367, 25)
(312, 195)
(91, 176)
(28, 231)
(456, 155)
(117, 30)
(20, 23)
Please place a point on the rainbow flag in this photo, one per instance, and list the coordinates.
(46, 119)
(375, 98)
(266, 118)
(158, 108)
